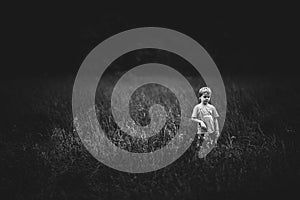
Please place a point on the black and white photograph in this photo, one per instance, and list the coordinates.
(149, 102)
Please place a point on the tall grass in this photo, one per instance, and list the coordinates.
(42, 156)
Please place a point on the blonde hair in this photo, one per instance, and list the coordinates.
(204, 90)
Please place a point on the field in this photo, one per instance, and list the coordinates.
(42, 156)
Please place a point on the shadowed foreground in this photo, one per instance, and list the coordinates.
(42, 156)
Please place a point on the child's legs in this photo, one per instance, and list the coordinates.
(209, 140)
(201, 141)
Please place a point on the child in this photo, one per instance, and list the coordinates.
(206, 116)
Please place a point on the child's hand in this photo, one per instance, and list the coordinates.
(202, 124)
(218, 133)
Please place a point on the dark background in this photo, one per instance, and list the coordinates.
(54, 40)
(42, 42)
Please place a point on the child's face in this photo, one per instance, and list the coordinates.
(205, 98)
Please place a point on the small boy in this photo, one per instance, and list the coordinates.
(206, 116)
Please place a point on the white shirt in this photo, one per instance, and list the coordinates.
(206, 113)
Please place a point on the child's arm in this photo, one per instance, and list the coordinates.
(195, 119)
(199, 121)
(217, 127)
(216, 122)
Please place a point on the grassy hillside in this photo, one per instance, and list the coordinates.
(42, 156)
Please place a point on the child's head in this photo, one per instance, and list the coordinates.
(204, 95)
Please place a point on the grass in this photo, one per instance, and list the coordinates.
(42, 156)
